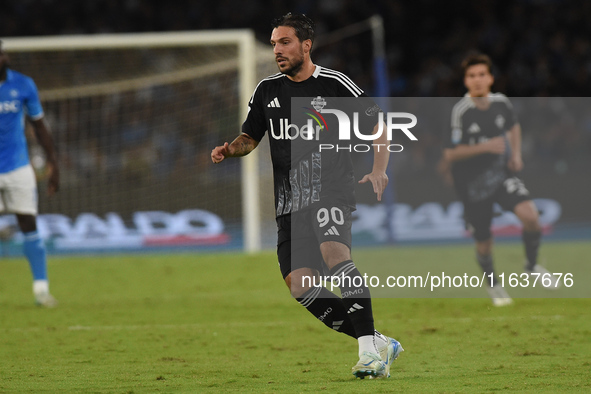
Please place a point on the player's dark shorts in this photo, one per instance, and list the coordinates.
(300, 234)
(479, 215)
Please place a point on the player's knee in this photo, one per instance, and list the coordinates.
(334, 253)
(528, 215)
(531, 224)
(484, 247)
(482, 235)
(301, 280)
(26, 223)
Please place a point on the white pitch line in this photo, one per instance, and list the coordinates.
(495, 318)
(133, 327)
(174, 326)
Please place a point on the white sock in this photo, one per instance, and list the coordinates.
(381, 340)
(367, 343)
(40, 286)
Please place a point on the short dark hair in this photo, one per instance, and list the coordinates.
(303, 26)
(474, 59)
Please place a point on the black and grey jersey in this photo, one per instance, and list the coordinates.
(302, 174)
(478, 177)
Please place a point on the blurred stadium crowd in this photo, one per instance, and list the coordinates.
(540, 48)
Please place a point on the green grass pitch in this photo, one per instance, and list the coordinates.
(226, 323)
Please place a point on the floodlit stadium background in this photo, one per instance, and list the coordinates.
(142, 155)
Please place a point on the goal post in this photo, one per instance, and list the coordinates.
(120, 69)
(250, 175)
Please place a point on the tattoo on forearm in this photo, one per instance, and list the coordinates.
(243, 145)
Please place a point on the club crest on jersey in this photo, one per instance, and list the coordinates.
(318, 103)
(14, 93)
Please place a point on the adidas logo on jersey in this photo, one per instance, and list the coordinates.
(355, 308)
(274, 103)
(332, 231)
(474, 128)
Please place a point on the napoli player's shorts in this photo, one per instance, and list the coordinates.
(300, 234)
(18, 191)
(479, 215)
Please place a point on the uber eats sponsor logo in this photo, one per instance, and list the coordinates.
(348, 125)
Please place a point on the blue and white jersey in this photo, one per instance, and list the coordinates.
(18, 97)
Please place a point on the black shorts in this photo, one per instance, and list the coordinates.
(478, 215)
(300, 234)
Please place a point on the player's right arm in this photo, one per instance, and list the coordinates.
(459, 152)
(241, 146)
(378, 177)
(253, 130)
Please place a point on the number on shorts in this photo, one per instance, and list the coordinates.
(515, 185)
(335, 214)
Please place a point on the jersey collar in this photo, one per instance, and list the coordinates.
(306, 81)
(316, 71)
(490, 94)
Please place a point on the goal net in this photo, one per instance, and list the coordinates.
(134, 118)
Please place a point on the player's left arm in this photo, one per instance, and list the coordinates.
(381, 155)
(34, 110)
(515, 163)
(44, 137)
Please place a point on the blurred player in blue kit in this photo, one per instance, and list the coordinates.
(485, 152)
(18, 185)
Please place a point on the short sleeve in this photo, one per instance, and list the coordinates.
(368, 113)
(32, 104)
(255, 125)
(511, 115)
(457, 132)
(347, 88)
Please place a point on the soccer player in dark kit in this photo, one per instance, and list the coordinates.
(485, 153)
(314, 193)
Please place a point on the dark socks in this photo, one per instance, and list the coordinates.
(355, 297)
(329, 309)
(486, 263)
(531, 241)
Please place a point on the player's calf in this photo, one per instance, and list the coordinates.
(357, 300)
(531, 243)
(328, 308)
(527, 213)
(306, 287)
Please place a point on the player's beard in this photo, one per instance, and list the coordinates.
(294, 66)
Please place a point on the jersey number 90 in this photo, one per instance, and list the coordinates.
(335, 214)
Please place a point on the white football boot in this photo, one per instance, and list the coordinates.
(499, 296)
